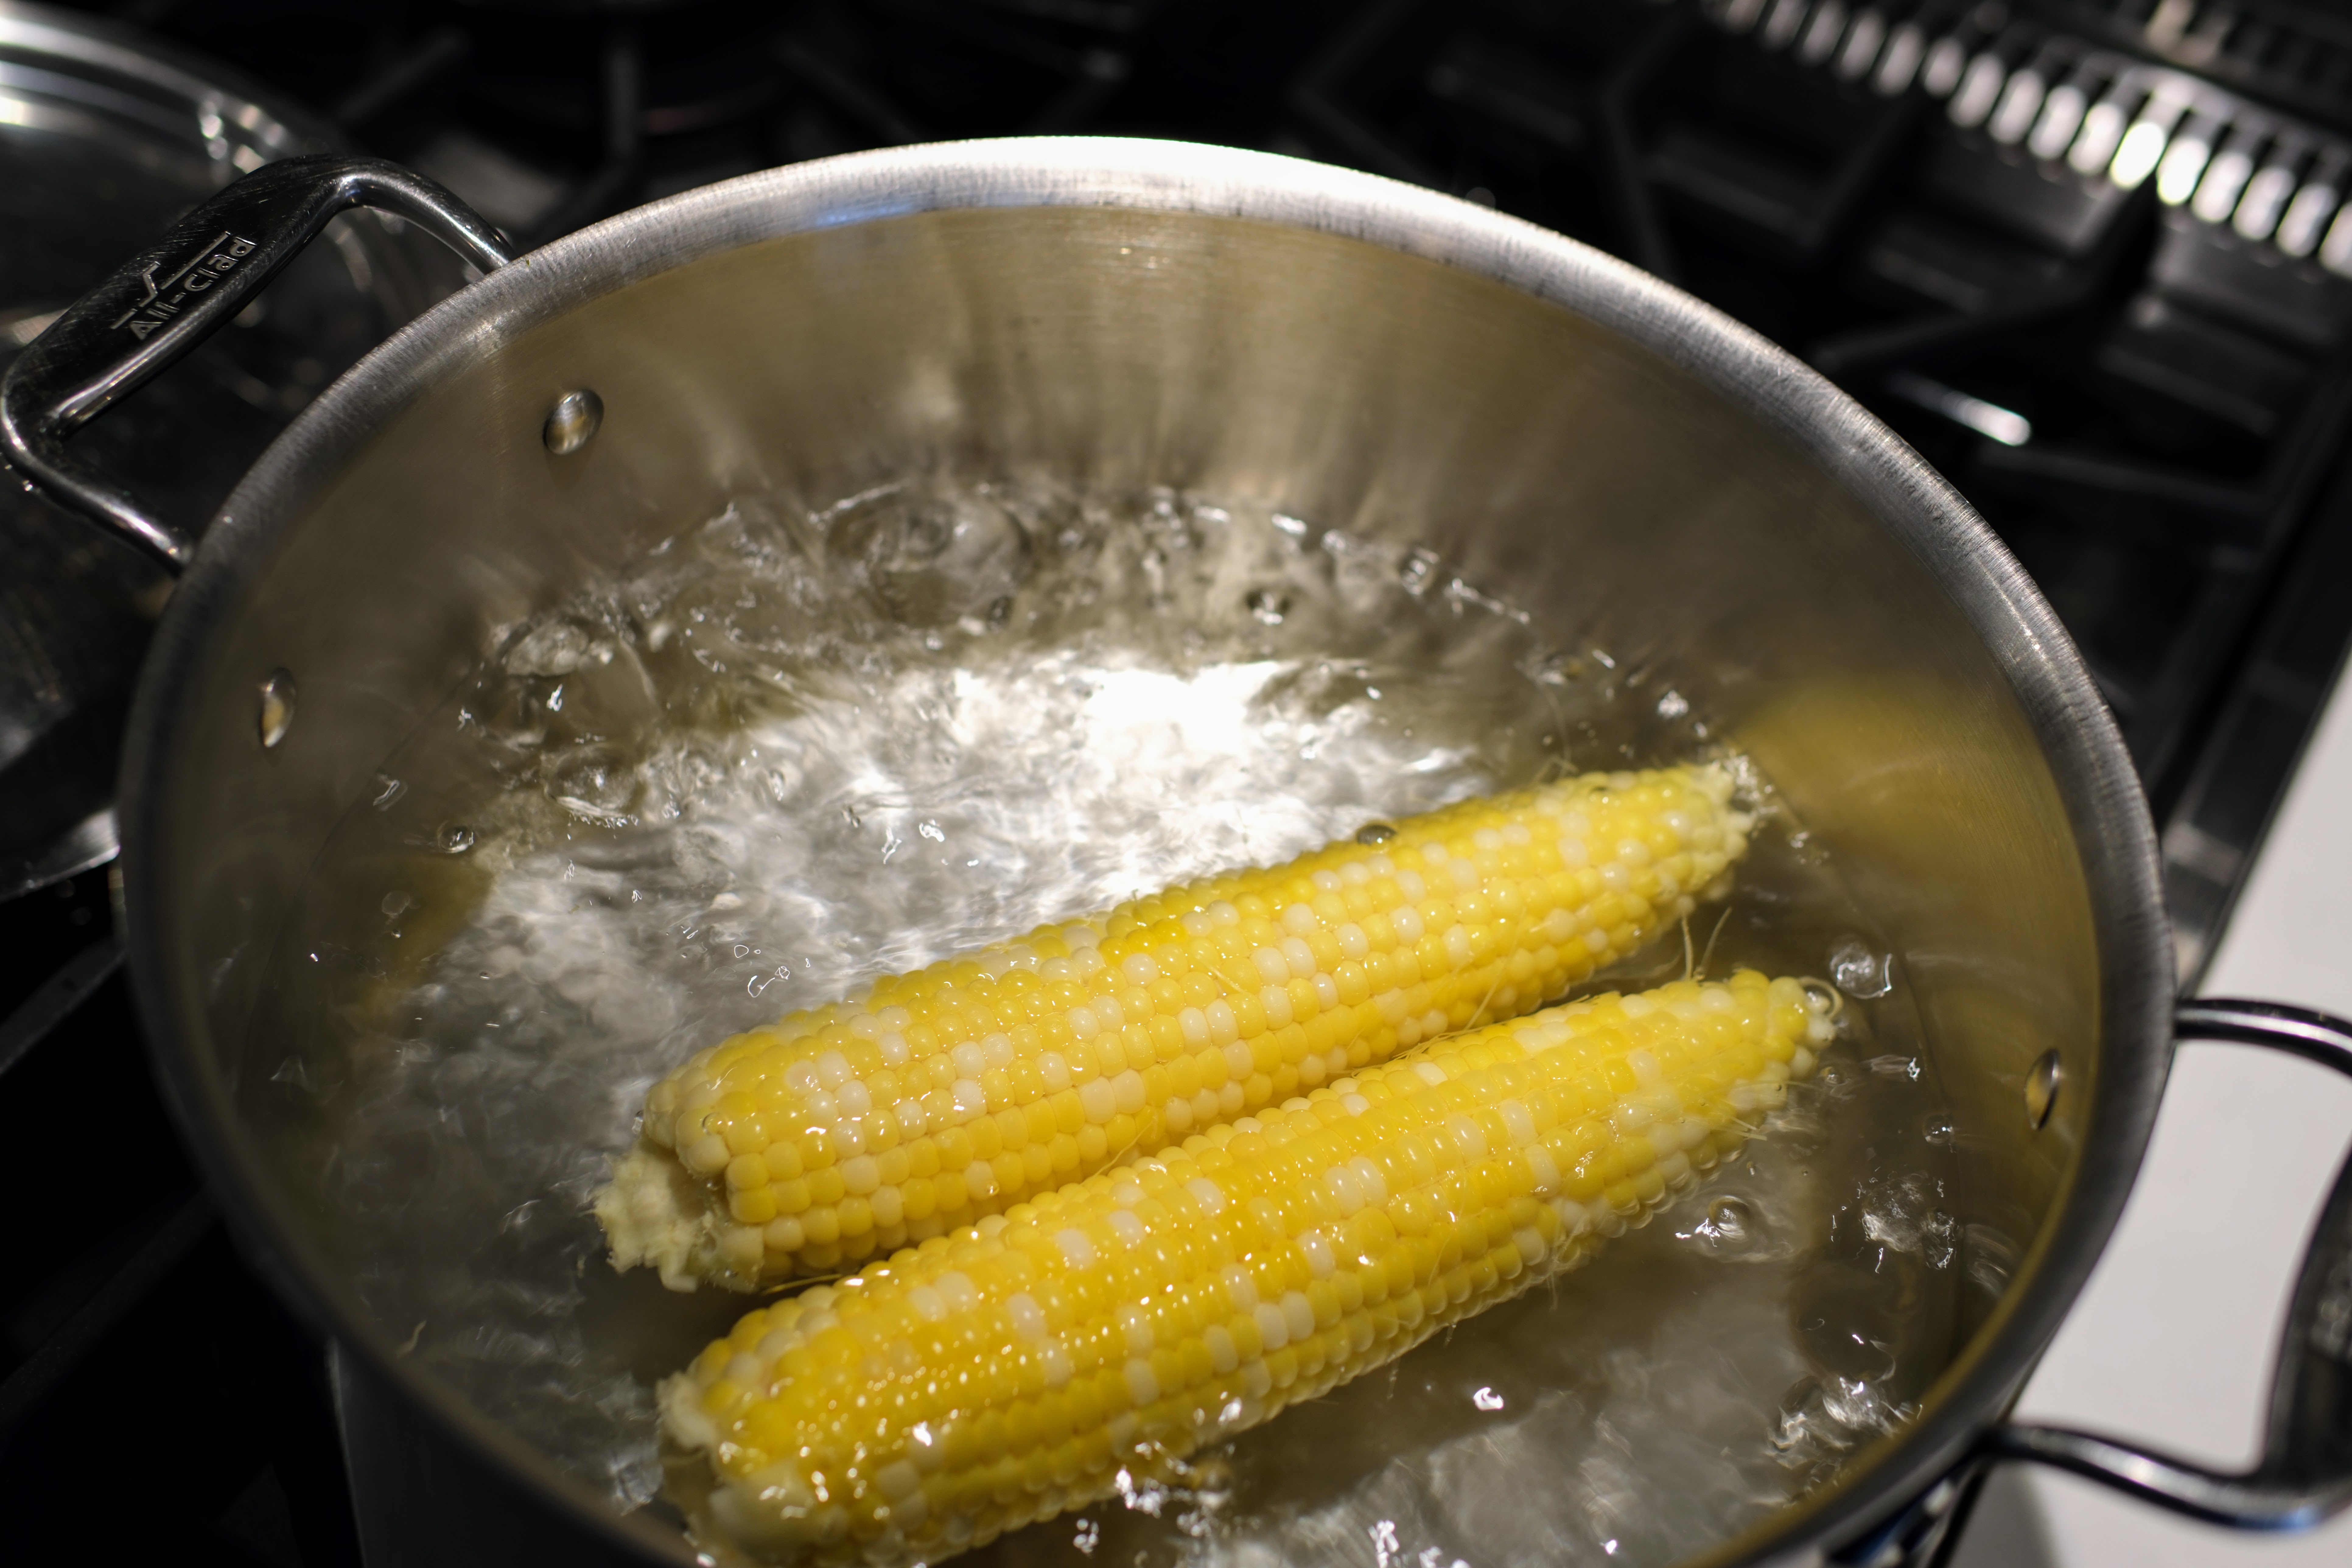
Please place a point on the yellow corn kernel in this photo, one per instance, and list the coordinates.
(966, 1088)
(1008, 1371)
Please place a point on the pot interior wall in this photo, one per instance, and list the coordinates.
(1623, 501)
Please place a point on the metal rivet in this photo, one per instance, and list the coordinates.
(573, 423)
(1375, 833)
(2041, 1080)
(276, 707)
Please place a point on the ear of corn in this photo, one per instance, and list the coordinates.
(964, 1089)
(981, 1380)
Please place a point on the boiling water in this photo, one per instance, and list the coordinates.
(789, 752)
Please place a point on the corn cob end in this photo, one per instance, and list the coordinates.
(657, 1213)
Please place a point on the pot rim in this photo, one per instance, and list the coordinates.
(2108, 814)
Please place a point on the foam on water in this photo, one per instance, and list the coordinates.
(787, 753)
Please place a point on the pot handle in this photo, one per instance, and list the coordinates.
(2306, 1472)
(178, 292)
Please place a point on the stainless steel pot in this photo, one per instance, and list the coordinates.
(1138, 313)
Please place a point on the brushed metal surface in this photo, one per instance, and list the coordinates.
(1376, 357)
(106, 136)
(2303, 1474)
(173, 295)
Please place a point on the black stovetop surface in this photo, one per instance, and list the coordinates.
(2142, 384)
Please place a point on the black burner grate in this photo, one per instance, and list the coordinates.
(151, 1390)
(2106, 296)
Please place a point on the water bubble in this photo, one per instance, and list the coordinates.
(1939, 1238)
(1861, 972)
(397, 903)
(1554, 668)
(933, 555)
(455, 838)
(1846, 1318)
(1486, 1399)
(1268, 605)
(591, 781)
(1672, 705)
(1417, 569)
(1895, 1210)
(1375, 833)
(1728, 1224)
(1464, 595)
(1142, 1494)
(1939, 1129)
(556, 647)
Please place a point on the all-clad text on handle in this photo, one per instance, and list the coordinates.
(172, 295)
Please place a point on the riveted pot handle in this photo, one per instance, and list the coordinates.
(2305, 1471)
(180, 290)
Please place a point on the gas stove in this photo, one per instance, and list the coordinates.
(2093, 258)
